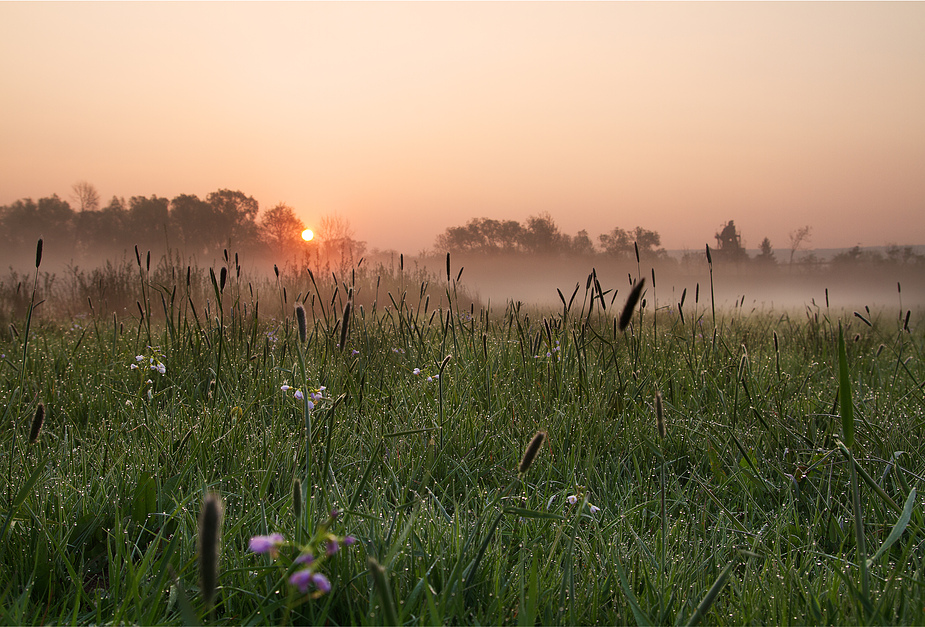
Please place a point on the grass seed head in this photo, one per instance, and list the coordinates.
(210, 527)
(300, 319)
(345, 326)
(627, 314)
(37, 421)
(297, 499)
(38, 253)
(532, 450)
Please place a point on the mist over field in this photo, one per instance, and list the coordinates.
(535, 281)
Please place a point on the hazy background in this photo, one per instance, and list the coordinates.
(410, 118)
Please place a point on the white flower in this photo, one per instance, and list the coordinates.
(572, 499)
(162, 368)
(134, 366)
(298, 394)
(593, 508)
(284, 388)
(139, 357)
(416, 371)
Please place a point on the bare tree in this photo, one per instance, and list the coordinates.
(335, 235)
(85, 196)
(798, 239)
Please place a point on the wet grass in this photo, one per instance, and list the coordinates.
(746, 511)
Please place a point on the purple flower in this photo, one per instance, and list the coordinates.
(349, 540)
(332, 548)
(284, 388)
(321, 582)
(301, 579)
(298, 395)
(267, 544)
(305, 558)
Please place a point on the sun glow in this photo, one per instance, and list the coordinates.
(307, 235)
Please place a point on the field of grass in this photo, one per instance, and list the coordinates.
(146, 460)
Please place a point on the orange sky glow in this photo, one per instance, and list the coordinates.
(410, 118)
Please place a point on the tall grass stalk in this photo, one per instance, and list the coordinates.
(19, 392)
(846, 405)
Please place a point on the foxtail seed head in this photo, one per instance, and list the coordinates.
(627, 314)
(345, 326)
(300, 320)
(210, 528)
(297, 499)
(532, 450)
(37, 421)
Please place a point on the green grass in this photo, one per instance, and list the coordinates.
(100, 517)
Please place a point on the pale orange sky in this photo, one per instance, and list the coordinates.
(410, 118)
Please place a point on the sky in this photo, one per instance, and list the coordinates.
(409, 118)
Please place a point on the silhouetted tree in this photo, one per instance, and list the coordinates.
(729, 244)
(766, 256)
(581, 244)
(619, 243)
(193, 221)
(541, 235)
(281, 230)
(85, 196)
(482, 235)
(25, 221)
(147, 222)
(798, 238)
(235, 217)
(856, 256)
(904, 255)
(103, 232)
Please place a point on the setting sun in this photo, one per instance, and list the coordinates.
(307, 235)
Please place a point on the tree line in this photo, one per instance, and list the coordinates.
(200, 228)
(539, 234)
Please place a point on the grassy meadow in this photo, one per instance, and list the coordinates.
(696, 465)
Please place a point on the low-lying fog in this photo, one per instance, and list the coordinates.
(534, 281)
(495, 280)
